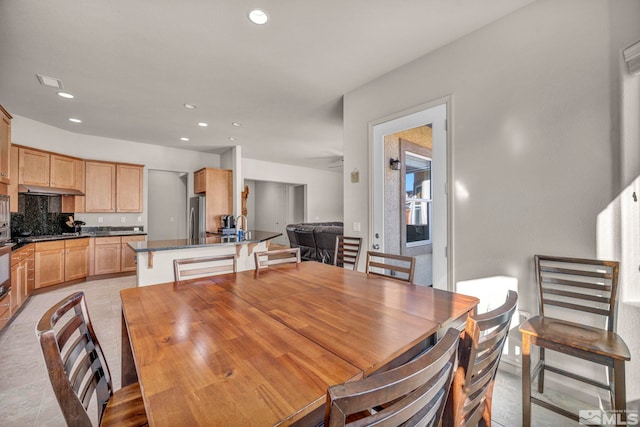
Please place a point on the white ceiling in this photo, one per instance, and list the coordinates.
(133, 64)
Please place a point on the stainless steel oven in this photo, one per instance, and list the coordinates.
(5, 219)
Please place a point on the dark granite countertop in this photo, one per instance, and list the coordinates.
(94, 232)
(255, 236)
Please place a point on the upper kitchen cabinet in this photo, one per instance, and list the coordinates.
(100, 186)
(13, 175)
(5, 143)
(129, 188)
(33, 167)
(45, 169)
(217, 185)
(111, 187)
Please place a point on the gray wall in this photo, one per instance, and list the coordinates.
(167, 200)
(530, 136)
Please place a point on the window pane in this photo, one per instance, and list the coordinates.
(418, 198)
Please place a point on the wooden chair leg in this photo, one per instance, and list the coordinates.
(526, 381)
(541, 374)
(619, 385)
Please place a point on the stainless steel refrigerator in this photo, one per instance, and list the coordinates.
(196, 227)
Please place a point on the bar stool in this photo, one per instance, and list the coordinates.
(588, 289)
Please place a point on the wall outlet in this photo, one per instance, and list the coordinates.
(171, 219)
(81, 218)
(123, 219)
(100, 220)
(356, 226)
(139, 219)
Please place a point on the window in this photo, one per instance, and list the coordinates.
(418, 199)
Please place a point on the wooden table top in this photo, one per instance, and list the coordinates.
(242, 349)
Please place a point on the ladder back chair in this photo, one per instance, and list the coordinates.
(479, 351)
(266, 259)
(397, 267)
(411, 394)
(193, 268)
(78, 370)
(347, 252)
(577, 303)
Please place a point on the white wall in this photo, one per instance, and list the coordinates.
(167, 217)
(324, 189)
(530, 135)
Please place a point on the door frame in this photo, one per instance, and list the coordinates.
(406, 119)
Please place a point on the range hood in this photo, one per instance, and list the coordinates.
(38, 190)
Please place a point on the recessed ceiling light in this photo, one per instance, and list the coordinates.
(236, 124)
(75, 120)
(185, 139)
(65, 95)
(190, 106)
(49, 81)
(231, 138)
(203, 124)
(258, 16)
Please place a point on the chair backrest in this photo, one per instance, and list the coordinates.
(279, 256)
(389, 265)
(413, 393)
(479, 351)
(347, 252)
(193, 268)
(75, 361)
(585, 285)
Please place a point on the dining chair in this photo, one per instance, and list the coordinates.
(265, 259)
(479, 351)
(411, 394)
(577, 304)
(347, 252)
(193, 268)
(78, 370)
(398, 267)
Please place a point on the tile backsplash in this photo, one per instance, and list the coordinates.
(39, 215)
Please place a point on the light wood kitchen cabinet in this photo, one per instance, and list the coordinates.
(100, 186)
(13, 178)
(5, 144)
(76, 261)
(49, 263)
(128, 256)
(33, 167)
(66, 172)
(107, 255)
(129, 187)
(29, 256)
(5, 309)
(218, 187)
(19, 281)
(200, 181)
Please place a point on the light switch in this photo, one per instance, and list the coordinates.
(171, 219)
(356, 226)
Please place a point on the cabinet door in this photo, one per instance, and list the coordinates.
(128, 256)
(15, 279)
(107, 255)
(100, 187)
(76, 261)
(5, 143)
(33, 167)
(129, 188)
(31, 270)
(200, 181)
(63, 171)
(13, 175)
(49, 265)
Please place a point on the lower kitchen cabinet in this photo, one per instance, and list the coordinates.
(49, 263)
(5, 309)
(76, 260)
(22, 279)
(128, 256)
(107, 255)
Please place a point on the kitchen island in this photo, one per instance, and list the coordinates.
(155, 258)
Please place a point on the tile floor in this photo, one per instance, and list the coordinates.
(26, 397)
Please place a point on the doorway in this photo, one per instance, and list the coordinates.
(167, 218)
(390, 193)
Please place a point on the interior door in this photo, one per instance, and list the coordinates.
(436, 117)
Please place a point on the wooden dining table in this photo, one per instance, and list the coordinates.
(261, 350)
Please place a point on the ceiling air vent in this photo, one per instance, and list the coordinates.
(49, 81)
